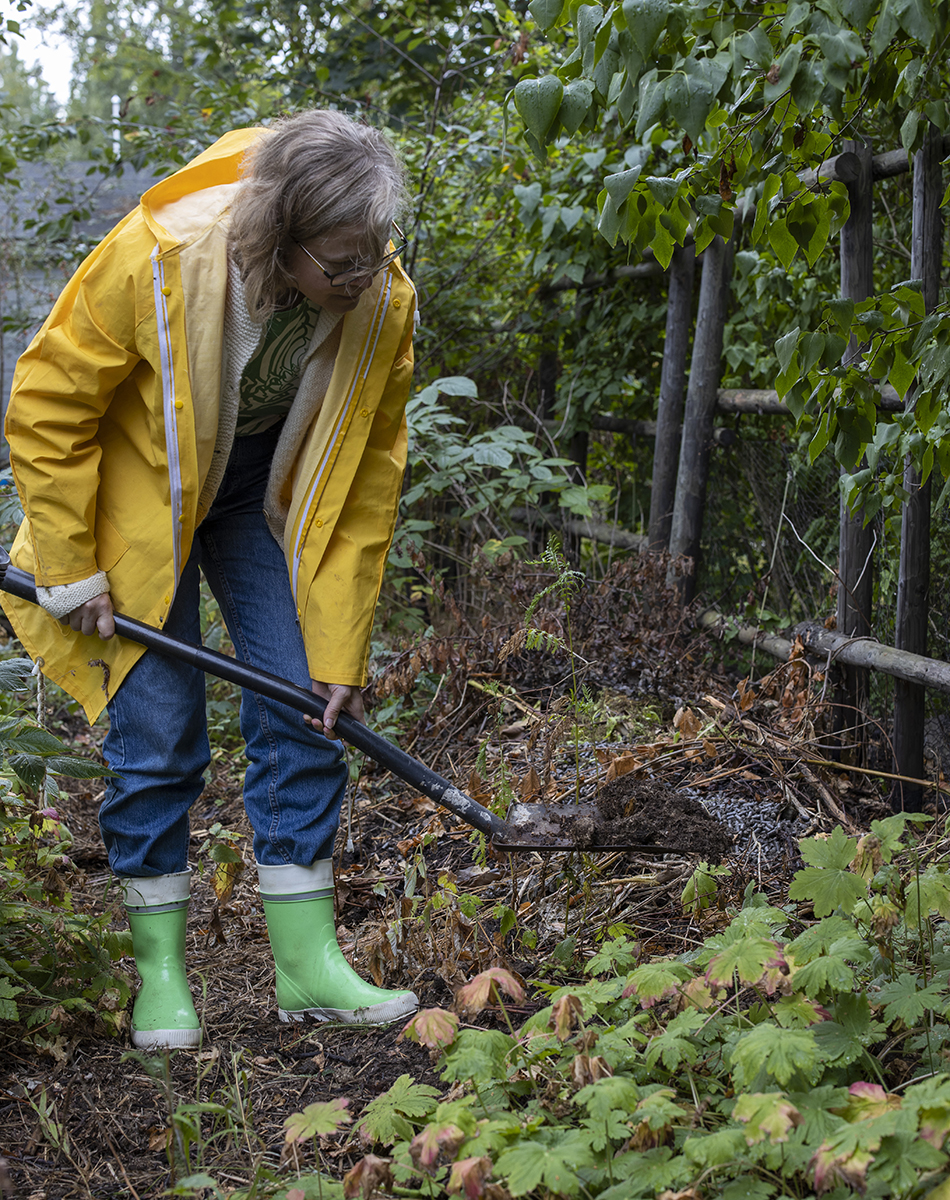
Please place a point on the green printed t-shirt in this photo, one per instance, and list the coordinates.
(271, 378)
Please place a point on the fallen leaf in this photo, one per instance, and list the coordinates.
(531, 785)
(588, 1069)
(744, 696)
(623, 764)
(687, 723)
(159, 1137)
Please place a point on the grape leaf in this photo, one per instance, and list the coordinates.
(384, 1118)
(326, 1116)
(781, 1053)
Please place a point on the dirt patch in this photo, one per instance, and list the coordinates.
(627, 814)
(647, 811)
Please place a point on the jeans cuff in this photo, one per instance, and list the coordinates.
(155, 892)
(296, 883)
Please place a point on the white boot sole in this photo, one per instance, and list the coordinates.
(397, 1009)
(166, 1039)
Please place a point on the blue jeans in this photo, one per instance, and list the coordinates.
(158, 735)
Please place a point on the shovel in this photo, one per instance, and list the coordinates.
(529, 826)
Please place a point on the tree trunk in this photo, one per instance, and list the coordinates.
(913, 585)
(855, 562)
(701, 395)
(679, 309)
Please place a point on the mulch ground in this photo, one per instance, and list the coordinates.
(419, 895)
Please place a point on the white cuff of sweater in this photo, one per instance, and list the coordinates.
(64, 597)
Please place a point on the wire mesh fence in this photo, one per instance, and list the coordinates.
(770, 554)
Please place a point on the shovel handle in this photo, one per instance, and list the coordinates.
(410, 770)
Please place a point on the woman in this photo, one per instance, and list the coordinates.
(221, 388)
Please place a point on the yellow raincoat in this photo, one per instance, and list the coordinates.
(112, 423)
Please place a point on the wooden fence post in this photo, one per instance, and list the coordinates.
(701, 394)
(669, 416)
(855, 554)
(913, 584)
(548, 366)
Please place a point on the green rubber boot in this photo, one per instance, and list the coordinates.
(313, 978)
(163, 1016)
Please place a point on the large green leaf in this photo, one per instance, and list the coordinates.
(754, 45)
(782, 242)
(620, 185)
(575, 105)
(538, 101)
(456, 385)
(781, 1053)
(746, 957)
(384, 1118)
(35, 740)
(529, 1165)
(587, 21)
(652, 102)
(905, 1000)
(75, 767)
(608, 224)
(812, 347)
(838, 850)
(807, 86)
(828, 889)
(630, 53)
(809, 223)
(690, 100)
(28, 768)
(546, 12)
(14, 672)
(646, 20)
(858, 12)
(917, 18)
(663, 189)
(787, 68)
(837, 1044)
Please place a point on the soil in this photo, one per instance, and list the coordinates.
(647, 811)
(626, 814)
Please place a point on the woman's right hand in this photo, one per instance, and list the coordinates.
(95, 616)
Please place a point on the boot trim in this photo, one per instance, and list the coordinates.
(401, 1006)
(294, 883)
(155, 893)
(166, 1039)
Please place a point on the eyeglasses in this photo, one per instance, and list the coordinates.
(352, 273)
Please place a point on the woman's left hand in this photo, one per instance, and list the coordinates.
(339, 697)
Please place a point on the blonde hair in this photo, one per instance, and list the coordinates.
(310, 175)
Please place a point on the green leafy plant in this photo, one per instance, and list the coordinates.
(56, 963)
(480, 478)
(759, 1064)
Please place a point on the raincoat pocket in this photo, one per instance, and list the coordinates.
(110, 544)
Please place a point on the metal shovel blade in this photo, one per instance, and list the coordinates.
(564, 827)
